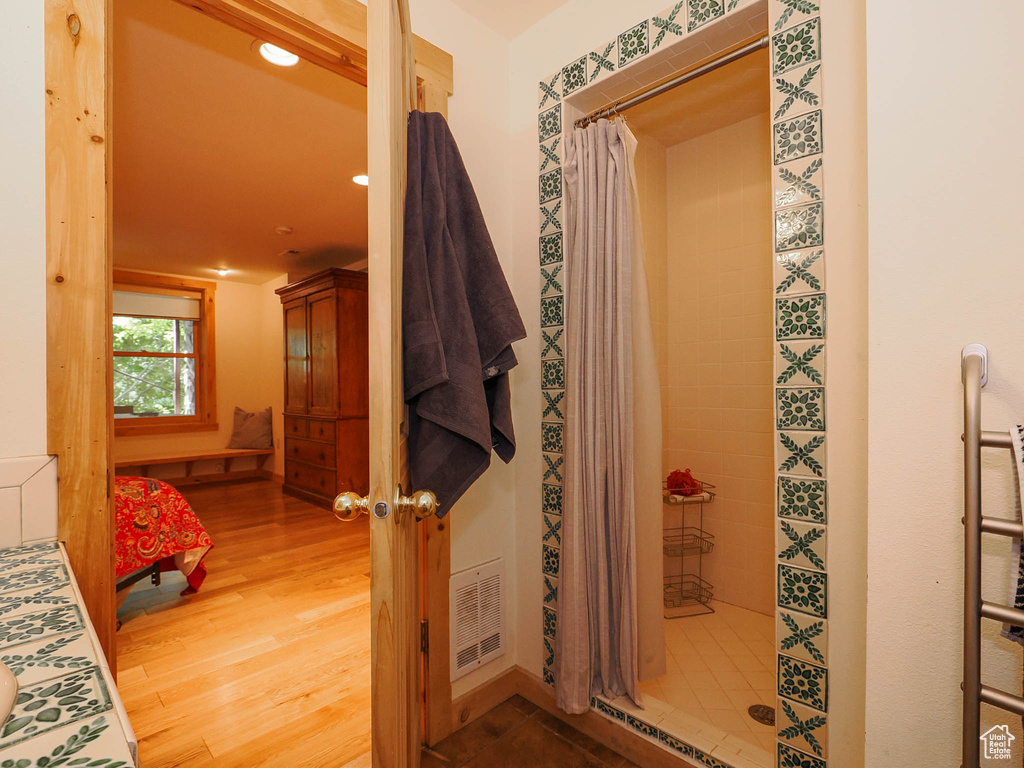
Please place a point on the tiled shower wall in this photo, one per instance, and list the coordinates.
(798, 402)
(28, 500)
(718, 394)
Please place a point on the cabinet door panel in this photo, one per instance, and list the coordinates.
(353, 340)
(323, 354)
(296, 375)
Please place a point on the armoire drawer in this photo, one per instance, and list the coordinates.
(322, 430)
(295, 427)
(309, 452)
(313, 479)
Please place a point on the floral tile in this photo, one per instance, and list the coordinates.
(801, 499)
(30, 561)
(574, 76)
(634, 44)
(552, 467)
(700, 12)
(551, 339)
(785, 11)
(669, 26)
(26, 627)
(639, 725)
(54, 574)
(550, 92)
(803, 637)
(549, 123)
(28, 550)
(551, 279)
(672, 742)
(800, 227)
(803, 682)
(551, 439)
(800, 362)
(803, 544)
(35, 599)
(48, 705)
(551, 312)
(550, 560)
(803, 591)
(549, 653)
(552, 374)
(707, 760)
(552, 499)
(52, 656)
(802, 453)
(550, 622)
(797, 182)
(611, 711)
(552, 530)
(553, 405)
(796, 46)
(800, 408)
(551, 591)
(550, 153)
(792, 758)
(802, 727)
(601, 62)
(549, 677)
(551, 218)
(551, 185)
(799, 317)
(551, 248)
(797, 137)
(97, 742)
(800, 272)
(796, 92)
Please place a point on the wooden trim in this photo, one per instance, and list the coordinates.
(221, 477)
(329, 33)
(78, 296)
(205, 420)
(517, 680)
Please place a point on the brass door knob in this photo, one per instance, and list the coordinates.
(350, 505)
(422, 504)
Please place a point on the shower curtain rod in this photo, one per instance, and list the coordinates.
(639, 97)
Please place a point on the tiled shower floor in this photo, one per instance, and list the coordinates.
(720, 664)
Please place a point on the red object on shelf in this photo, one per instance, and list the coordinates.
(682, 483)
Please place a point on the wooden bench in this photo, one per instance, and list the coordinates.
(145, 463)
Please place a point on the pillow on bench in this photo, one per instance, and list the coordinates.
(252, 430)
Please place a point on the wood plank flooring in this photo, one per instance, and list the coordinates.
(268, 665)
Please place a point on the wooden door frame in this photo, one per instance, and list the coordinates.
(331, 33)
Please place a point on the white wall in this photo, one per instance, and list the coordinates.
(945, 165)
(22, 234)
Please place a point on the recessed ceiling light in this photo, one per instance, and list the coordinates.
(362, 180)
(223, 272)
(283, 230)
(278, 56)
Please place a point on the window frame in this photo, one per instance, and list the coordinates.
(204, 339)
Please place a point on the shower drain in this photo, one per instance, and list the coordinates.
(762, 714)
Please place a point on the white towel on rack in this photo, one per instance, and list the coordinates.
(1011, 631)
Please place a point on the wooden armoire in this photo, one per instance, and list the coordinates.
(326, 386)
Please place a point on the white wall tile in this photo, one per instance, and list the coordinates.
(10, 517)
(39, 504)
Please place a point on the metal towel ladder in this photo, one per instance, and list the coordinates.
(974, 373)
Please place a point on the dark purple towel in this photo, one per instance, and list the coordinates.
(458, 322)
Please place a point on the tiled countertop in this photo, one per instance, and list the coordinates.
(68, 710)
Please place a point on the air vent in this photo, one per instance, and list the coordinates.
(478, 616)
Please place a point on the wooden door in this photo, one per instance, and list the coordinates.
(296, 357)
(323, 353)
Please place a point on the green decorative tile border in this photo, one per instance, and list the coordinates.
(801, 340)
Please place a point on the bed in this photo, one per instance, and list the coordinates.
(156, 531)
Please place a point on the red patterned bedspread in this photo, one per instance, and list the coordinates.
(155, 523)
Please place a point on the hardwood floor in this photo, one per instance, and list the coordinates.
(268, 665)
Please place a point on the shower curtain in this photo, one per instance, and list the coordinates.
(612, 430)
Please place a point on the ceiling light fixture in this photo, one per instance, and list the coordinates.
(362, 180)
(283, 230)
(222, 272)
(278, 56)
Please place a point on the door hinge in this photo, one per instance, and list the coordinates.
(424, 636)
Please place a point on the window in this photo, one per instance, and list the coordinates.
(163, 350)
